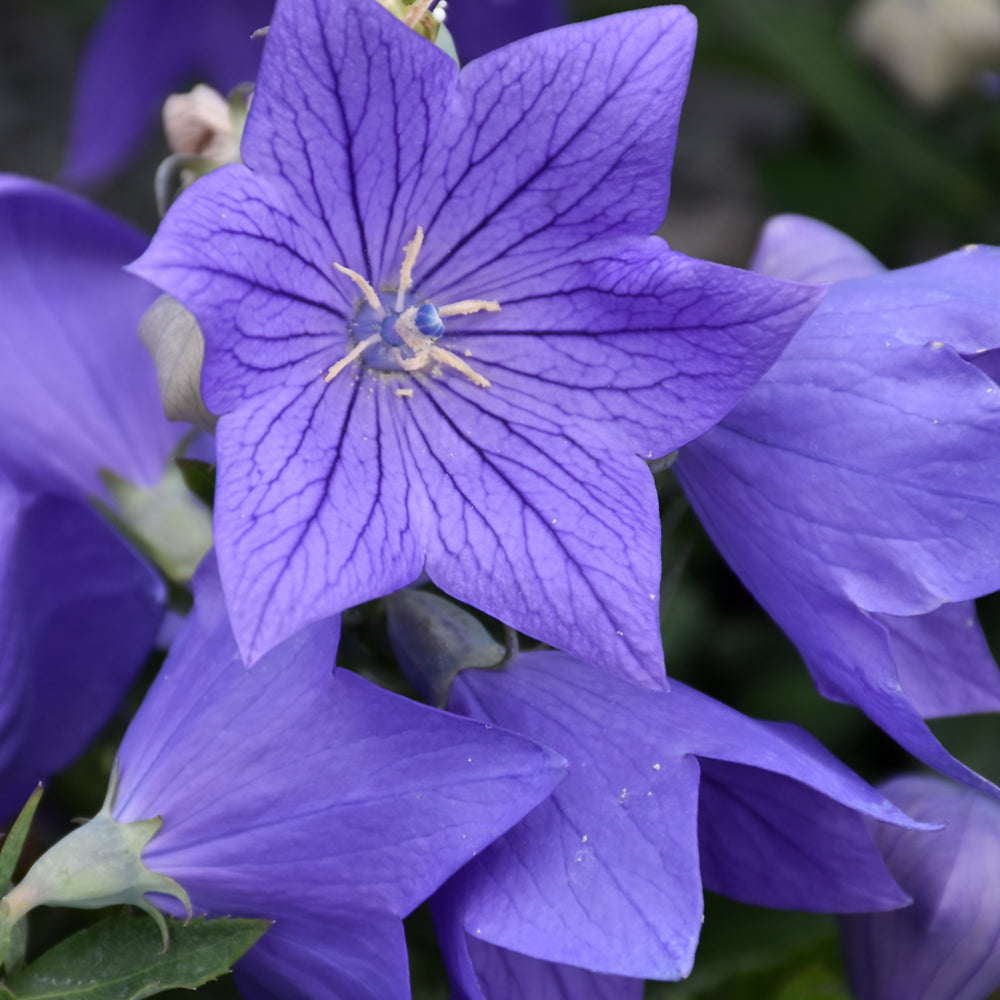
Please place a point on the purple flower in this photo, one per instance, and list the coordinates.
(78, 607)
(946, 946)
(309, 796)
(856, 490)
(666, 791)
(140, 51)
(479, 26)
(385, 199)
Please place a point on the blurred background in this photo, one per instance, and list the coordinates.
(881, 118)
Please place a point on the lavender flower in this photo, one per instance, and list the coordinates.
(438, 336)
(302, 794)
(946, 945)
(665, 792)
(79, 608)
(856, 490)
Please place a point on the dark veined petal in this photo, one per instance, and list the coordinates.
(298, 792)
(535, 176)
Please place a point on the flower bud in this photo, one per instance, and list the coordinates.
(930, 48)
(174, 340)
(434, 639)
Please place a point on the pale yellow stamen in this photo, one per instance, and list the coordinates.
(469, 306)
(357, 351)
(454, 361)
(417, 10)
(423, 347)
(369, 293)
(410, 252)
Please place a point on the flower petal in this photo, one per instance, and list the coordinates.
(798, 248)
(78, 392)
(80, 613)
(945, 944)
(293, 790)
(447, 153)
(605, 874)
(858, 483)
(631, 343)
(294, 960)
(138, 53)
(556, 538)
(313, 513)
(481, 971)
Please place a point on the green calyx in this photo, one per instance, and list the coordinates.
(99, 864)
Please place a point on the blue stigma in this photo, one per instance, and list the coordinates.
(428, 321)
(388, 331)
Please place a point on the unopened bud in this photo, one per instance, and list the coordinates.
(930, 48)
(434, 639)
(174, 340)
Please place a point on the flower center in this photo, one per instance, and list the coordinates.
(400, 334)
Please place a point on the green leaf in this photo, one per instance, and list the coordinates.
(120, 958)
(11, 943)
(200, 479)
(10, 853)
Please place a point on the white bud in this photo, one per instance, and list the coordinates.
(200, 123)
(930, 48)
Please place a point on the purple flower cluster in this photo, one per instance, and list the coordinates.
(444, 346)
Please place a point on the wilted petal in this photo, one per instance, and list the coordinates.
(946, 946)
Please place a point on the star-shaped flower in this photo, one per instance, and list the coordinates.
(438, 335)
(666, 791)
(300, 794)
(856, 490)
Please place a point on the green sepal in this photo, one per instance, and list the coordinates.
(119, 958)
(165, 521)
(99, 864)
(10, 853)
